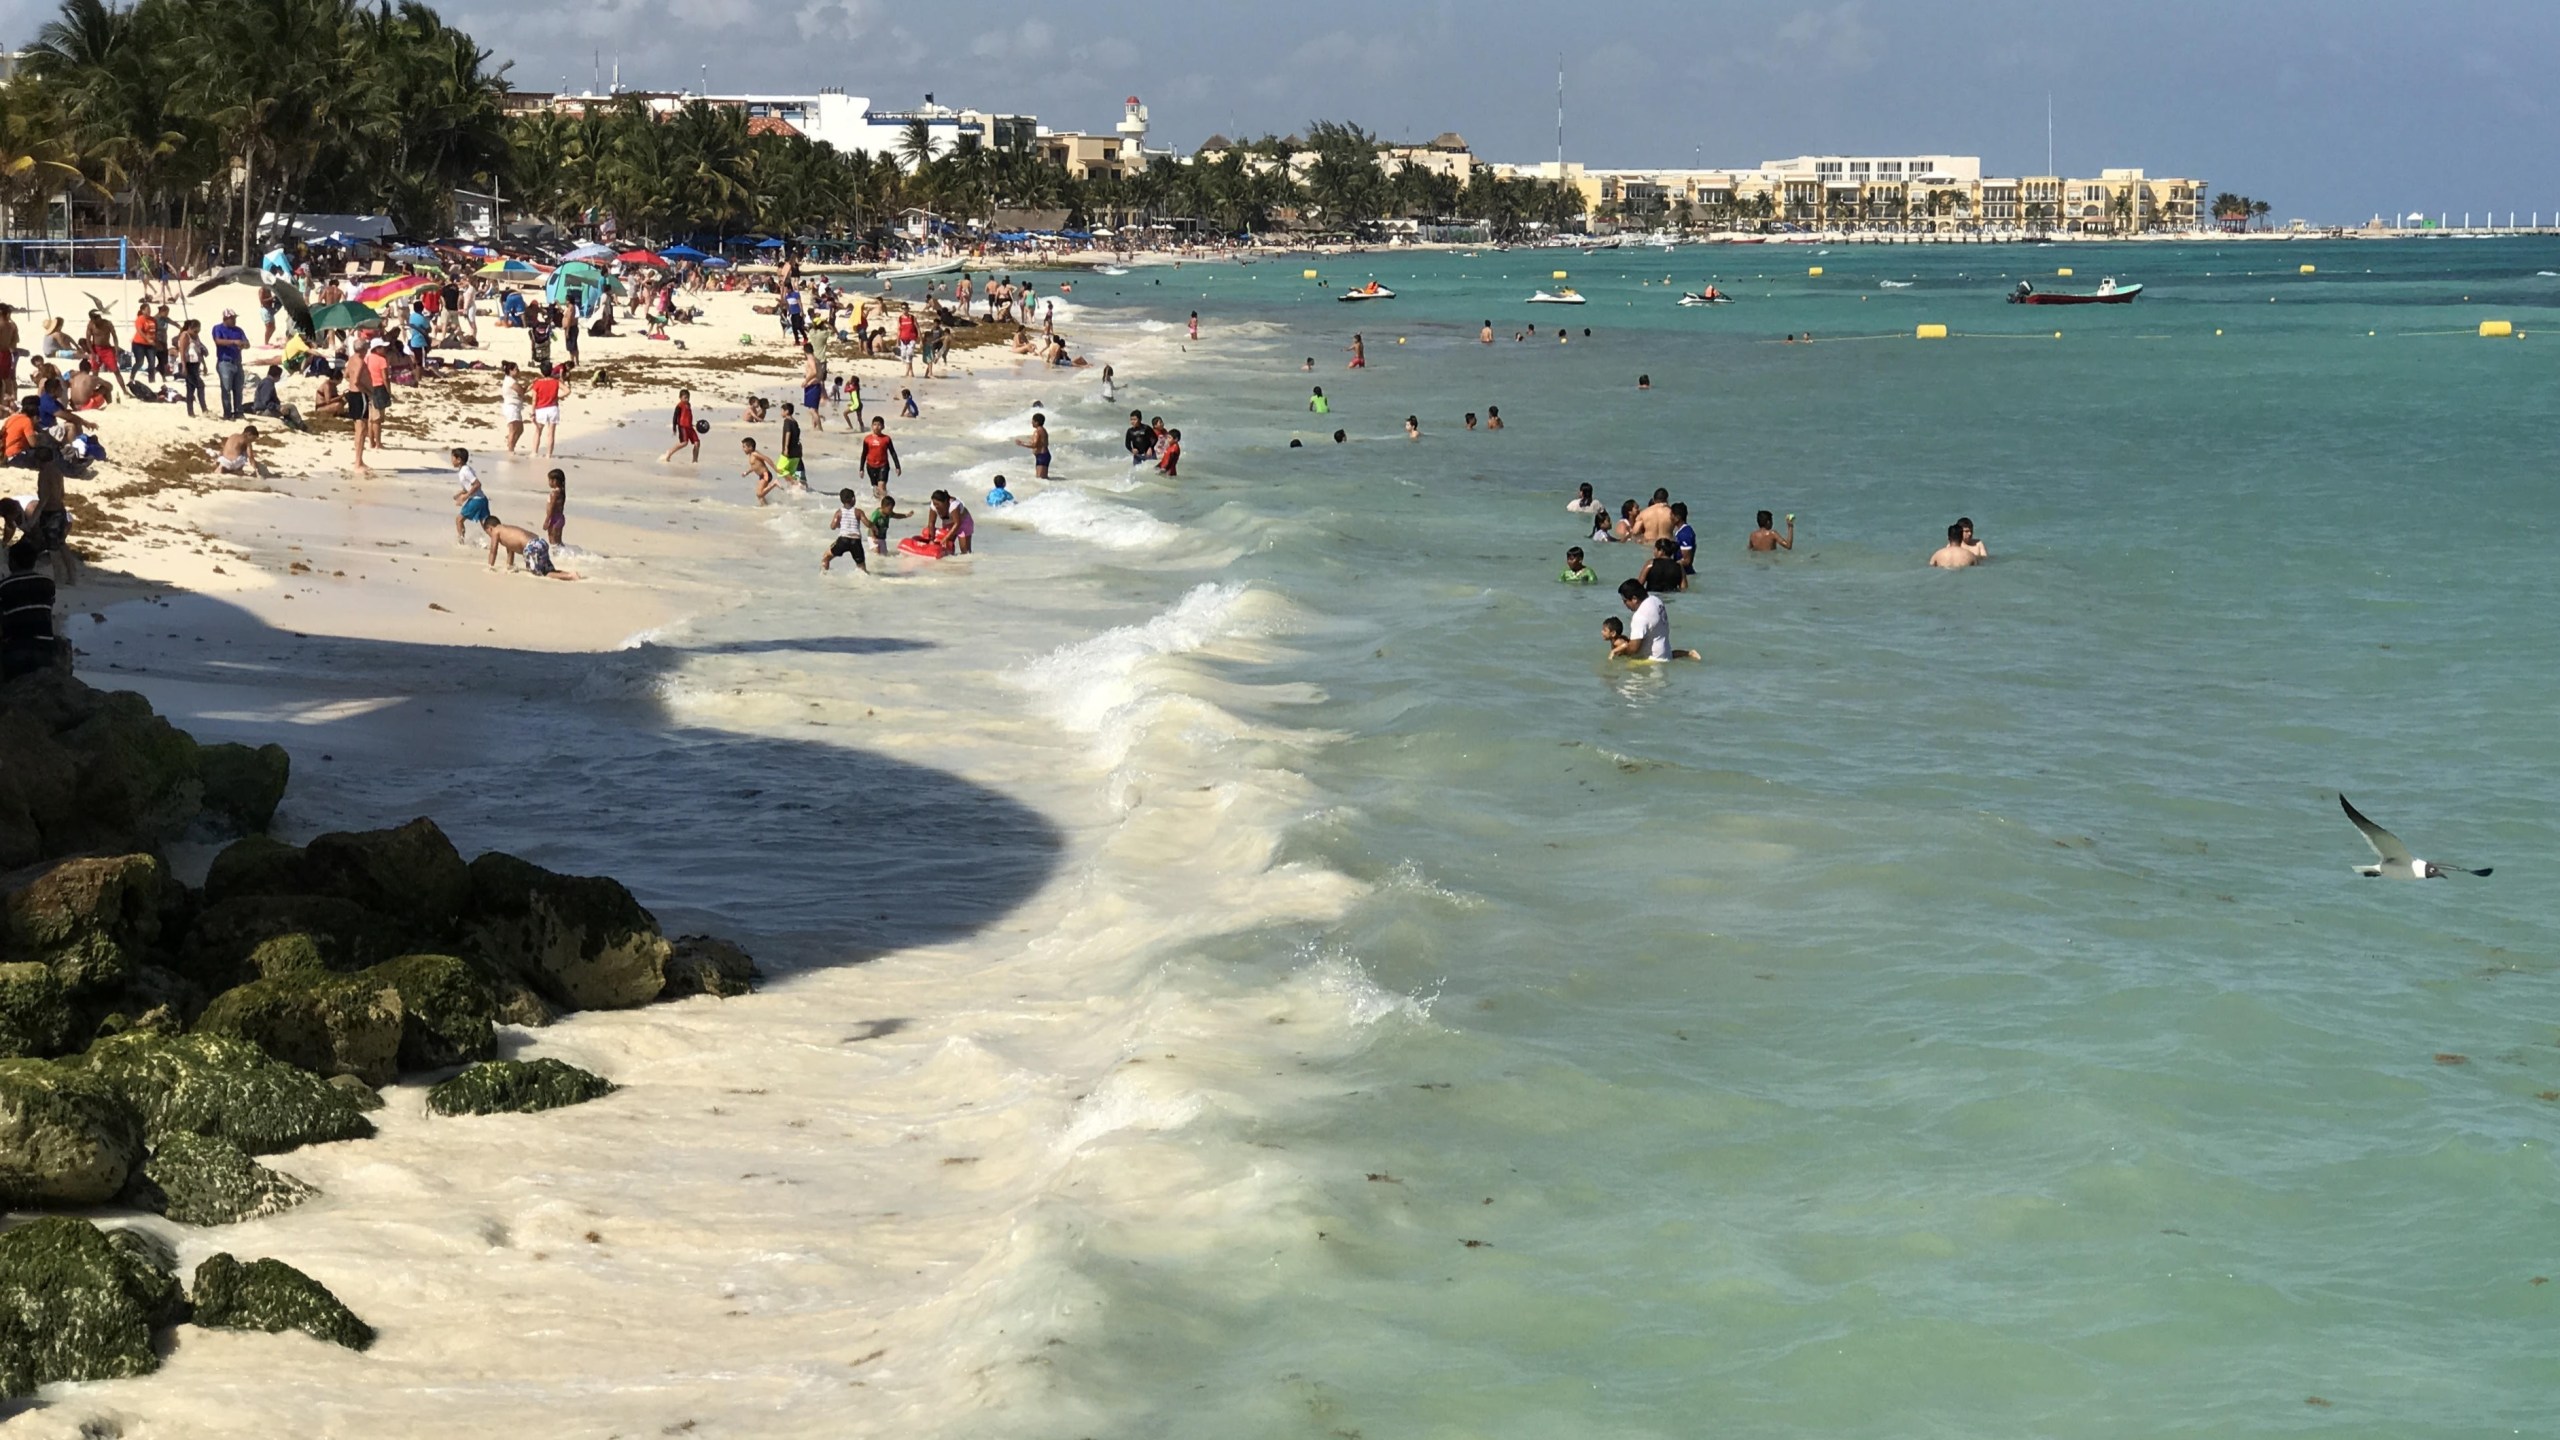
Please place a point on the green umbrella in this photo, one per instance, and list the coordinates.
(345, 315)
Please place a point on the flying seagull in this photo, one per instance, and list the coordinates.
(2397, 862)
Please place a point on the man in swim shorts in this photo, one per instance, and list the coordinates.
(791, 465)
(520, 542)
(813, 385)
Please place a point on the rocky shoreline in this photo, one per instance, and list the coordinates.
(156, 1037)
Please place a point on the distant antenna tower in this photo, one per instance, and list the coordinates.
(1559, 116)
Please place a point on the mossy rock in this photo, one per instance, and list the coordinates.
(327, 1024)
(253, 937)
(272, 1296)
(495, 1087)
(91, 919)
(139, 775)
(701, 965)
(244, 785)
(66, 1136)
(35, 1018)
(581, 941)
(410, 873)
(198, 1180)
(446, 1009)
(209, 1084)
(39, 787)
(80, 1303)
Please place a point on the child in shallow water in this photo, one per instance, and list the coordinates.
(1614, 631)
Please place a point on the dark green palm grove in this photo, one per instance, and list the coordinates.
(192, 114)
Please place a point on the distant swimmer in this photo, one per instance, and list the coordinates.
(1583, 502)
(1644, 382)
(1965, 524)
(1413, 427)
(1471, 419)
(1139, 439)
(1649, 637)
(1955, 554)
(1486, 336)
(1493, 417)
(1767, 538)
(1037, 442)
(1684, 539)
(1575, 572)
(1340, 436)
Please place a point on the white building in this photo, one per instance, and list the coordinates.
(848, 122)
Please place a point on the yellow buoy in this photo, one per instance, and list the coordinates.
(2065, 270)
(1558, 275)
(1306, 274)
(2496, 329)
(1931, 332)
(1399, 339)
(1816, 270)
(2057, 334)
(2310, 269)
(2217, 332)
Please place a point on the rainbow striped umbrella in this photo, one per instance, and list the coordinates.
(394, 288)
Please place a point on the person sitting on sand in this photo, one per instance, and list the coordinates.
(1955, 554)
(55, 341)
(328, 399)
(756, 409)
(519, 542)
(1767, 539)
(238, 455)
(263, 400)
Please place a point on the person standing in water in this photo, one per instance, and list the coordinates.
(686, 433)
(1955, 554)
(1195, 324)
(1359, 354)
(880, 455)
(1037, 442)
(1486, 336)
(1318, 403)
(1767, 538)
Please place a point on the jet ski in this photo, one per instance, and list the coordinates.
(1371, 291)
(1565, 297)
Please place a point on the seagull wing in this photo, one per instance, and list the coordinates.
(2386, 846)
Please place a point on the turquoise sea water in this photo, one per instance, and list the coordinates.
(1947, 1011)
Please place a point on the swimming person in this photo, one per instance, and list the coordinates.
(1965, 524)
(1766, 538)
(1662, 574)
(1493, 417)
(1955, 554)
(1413, 427)
(1139, 439)
(1575, 572)
(1584, 502)
(1319, 404)
(995, 497)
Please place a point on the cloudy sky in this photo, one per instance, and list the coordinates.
(2330, 109)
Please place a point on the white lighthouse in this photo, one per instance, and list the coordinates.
(1133, 129)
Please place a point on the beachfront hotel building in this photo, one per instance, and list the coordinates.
(1880, 194)
(848, 122)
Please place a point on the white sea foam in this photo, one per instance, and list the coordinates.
(1082, 517)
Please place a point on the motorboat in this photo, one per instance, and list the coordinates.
(1371, 291)
(923, 269)
(1562, 297)
(2107, 293)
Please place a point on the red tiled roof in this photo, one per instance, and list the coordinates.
(770, 125)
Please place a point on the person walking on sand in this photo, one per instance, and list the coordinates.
(470, 501)
(1037, 442)
(377, 390)
(555, 515)
(9, 355)
(230, 347)
(687, 433)
(547, 394)
(511, 403)
(190, 354)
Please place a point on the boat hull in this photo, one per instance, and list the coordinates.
(2125, 296)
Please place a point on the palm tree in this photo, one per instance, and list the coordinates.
(915, 147)
(2259, 210)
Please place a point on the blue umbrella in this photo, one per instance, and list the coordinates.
(683, 252)
(771, 244)
(715, 263)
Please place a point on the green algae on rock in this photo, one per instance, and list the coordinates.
(67, 1137)
(581, 941)
(217, 1085)
(198, 1180)
(327, 1024)
(80, 1303)
(495, 1087)
(272, 1296)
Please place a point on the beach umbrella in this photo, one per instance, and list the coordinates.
(770, 243)
(641, 257)
(413, 252)
(683, 252)
(394, 288)
(590, 251)
(290, 300)
(345, 315)
(714, 262)
(509, 266)
(227, 275)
